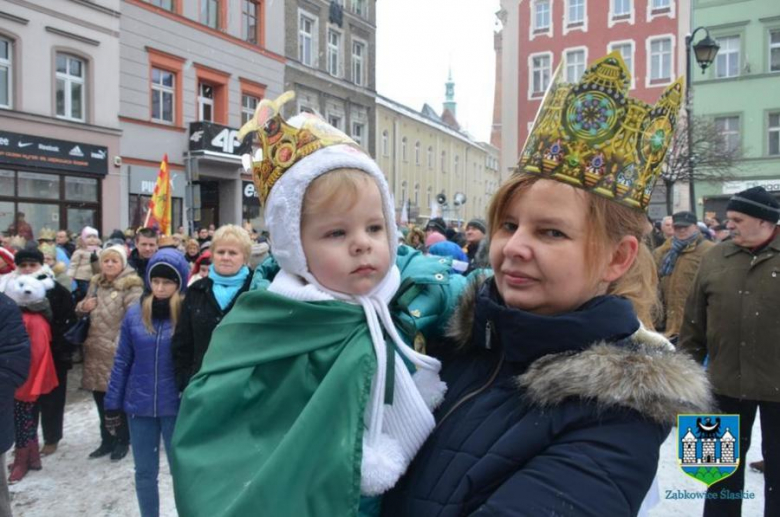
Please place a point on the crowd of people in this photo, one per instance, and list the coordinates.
(352, 366)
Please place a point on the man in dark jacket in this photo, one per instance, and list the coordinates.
(63, 241)
(145, 247)
(14, 368)
(731, 316)
(52, 404)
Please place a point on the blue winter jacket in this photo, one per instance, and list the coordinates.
(14, 365)
(142, 381)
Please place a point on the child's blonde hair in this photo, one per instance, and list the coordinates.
(339, 187)
(230, 233)
(608, 222)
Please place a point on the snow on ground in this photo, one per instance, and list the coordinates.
(71, 485)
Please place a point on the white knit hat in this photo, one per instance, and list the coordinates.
(119, 250)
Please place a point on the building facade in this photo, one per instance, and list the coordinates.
(330, 47)
(741, 93)
(539, 36)
(191, 74)
(59, 99)
(423, 157)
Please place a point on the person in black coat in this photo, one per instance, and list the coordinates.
(209, 299)
(14, 368)
(52, 404)
(558, 399)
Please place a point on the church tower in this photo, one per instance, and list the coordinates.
(449, 96)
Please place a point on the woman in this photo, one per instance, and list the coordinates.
(58, 269)
(210, 299)
(558, 400)
(111, 293)
(142, 381)
(416, 238)
(192, 251)
(200, 269)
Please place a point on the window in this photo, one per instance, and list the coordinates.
(774, 50)
(457, 164)
(416, 194)
(165, 4)
(334, 53)
(358, 131)
(248, 106)
(209, 13)
(661, 60)
(70, 87)
(335, 121)
(205, 102)
(358, 51)
(430, 195)
(774, 134)
(541, 15)
(727, 61)
(360, 8)
(249, 25)
(626, 50)
(163, 93)
(417, 153)
(575, 65)
(444, 161)
(430, 157)
(728, 128)
(540, 74)
(403, 191)
(621, 8)
(576, 12)
(305, 40)
(657, 5)
(385, 144)
(403, 149)
(6, 67)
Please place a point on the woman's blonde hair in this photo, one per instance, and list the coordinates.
(230, 233)
(608, 222)
(175, 302)
(339, 187)
(192, 242)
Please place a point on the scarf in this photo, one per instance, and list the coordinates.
(398, 416)
(678, 246)
(226, 287)
(161, 309)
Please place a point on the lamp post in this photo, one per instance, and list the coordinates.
(705, 52)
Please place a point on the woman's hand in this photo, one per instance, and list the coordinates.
(88, 305)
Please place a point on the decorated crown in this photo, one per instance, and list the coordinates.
(593, 136)
(46, 234)
(282, 144)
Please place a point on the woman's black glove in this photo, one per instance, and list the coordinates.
(93, 258)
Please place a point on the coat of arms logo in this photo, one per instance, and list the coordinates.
(708, 446)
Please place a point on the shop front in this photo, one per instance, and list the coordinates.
(142, 180)
(49, 184)
(715, 205)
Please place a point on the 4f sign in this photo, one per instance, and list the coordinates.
(227, 140)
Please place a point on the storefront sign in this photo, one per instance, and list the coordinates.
(249, 193)
(207, 136)
(47, 153)
(733, 187)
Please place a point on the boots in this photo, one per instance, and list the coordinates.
(758, 466)
(34, 461)
(119, 452)
(104, 449)
(49, 448)
(20, 465)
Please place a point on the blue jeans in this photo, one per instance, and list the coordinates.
(145, 440)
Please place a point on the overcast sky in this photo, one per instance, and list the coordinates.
(417, 41)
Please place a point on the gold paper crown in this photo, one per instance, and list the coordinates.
(593, 136)
(284, 145)
(46, 234)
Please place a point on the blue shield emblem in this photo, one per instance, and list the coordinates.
(708, 446)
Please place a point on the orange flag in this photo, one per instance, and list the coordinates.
(158, 214)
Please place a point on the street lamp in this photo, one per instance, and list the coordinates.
(705, 52)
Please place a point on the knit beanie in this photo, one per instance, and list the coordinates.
(479, 224)
(120, 250)
(437, 224)
(28, 255)
(165, 270)
(756, 202)
(87, 231)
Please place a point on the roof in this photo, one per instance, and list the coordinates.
(420, 117)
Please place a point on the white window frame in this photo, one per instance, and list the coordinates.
(567, 23)
(626, 42)
(247, 112)
(160, 89)
(385, 143)
(726, 55)
(358, 127)
(404, 150)
(612, 20)
(770, 47)
(531, 93)
(70, 80)
(335, 50)
(658, 12)
(772, 132)
(565, 58)
(417, 153)
(8, 65)
(362, 62)
(312, 37)
(205, 101)
(672, 53)
(725, 134)
(535, 31)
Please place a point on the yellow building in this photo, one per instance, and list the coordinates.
(424, 156)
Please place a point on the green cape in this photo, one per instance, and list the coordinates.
(273, 423)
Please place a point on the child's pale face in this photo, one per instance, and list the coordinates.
(346, 248)
(92, 240)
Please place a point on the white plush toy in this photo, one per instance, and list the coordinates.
(26, 290)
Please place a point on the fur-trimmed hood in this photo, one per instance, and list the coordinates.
(643, 372)
(127, 279)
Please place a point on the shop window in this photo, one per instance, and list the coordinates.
(7, 217)
(139, 204)
(6, 72)
(81, 189)
(6, 182)
(39, 186)
(78, 218)
(71, 74)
